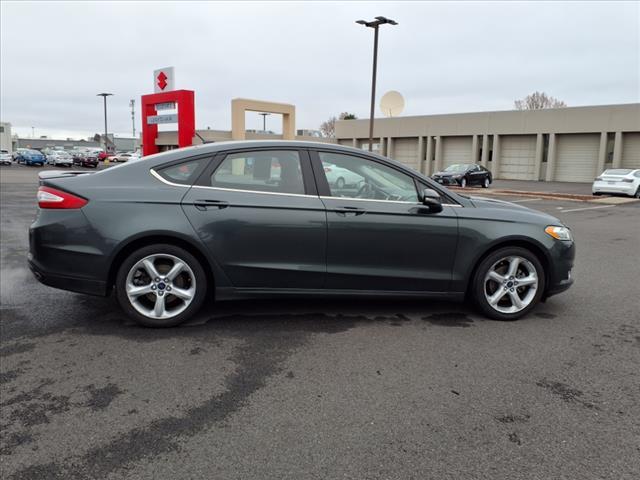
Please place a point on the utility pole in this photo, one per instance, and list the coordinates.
(374, 24)
(104, 98)
(132, 104)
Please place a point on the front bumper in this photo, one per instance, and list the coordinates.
(561, 272)
(446, 180)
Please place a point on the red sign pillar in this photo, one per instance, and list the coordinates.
(185, 102)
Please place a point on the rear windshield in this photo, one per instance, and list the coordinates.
(619, 171)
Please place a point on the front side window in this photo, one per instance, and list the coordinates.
(275, 171)
(357, 177)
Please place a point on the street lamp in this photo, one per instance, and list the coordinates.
(264, 120)
(374, 24)
(104, 98)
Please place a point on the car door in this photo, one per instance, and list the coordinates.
(476, 175)
(380, 237)
(259, 215)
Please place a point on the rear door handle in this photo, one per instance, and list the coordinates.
(202, 204)
(349, 210)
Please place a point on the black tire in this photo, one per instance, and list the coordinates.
(201, 287)
(486, 182)
(478, 284)
(463, 182)
(637, 195)
(340, 183)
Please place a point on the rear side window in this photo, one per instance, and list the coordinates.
(182, 173)
(275, 171)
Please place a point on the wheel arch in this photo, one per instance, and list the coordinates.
(526, 243)
(133, 244)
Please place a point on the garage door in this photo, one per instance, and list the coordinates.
(405, 150)
(346, 142)
(517, 157)
(631, 150)
(577, 157)
(456, 150)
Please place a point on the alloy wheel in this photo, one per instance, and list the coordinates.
(510, 284)
(463, 182)
(160, 286)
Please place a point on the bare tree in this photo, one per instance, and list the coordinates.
(328, 128)
(538, 101)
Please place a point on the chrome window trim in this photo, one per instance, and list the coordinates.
(167, 182)
(256, 191)
(164, 180)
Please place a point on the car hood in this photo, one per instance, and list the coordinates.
(500, 209)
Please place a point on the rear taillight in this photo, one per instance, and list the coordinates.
(627, 180)
(53, 198)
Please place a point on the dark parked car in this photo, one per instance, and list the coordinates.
(29, 157)
(249, 219)
(464, 174)
(85, 159)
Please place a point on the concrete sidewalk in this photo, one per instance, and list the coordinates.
(550, 187)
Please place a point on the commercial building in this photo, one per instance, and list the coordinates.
(563, 144)
(5, 137)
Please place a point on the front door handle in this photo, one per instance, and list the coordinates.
(202, 204)
(349, 210)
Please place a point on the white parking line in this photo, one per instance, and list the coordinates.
(526, 200)
(586, 208)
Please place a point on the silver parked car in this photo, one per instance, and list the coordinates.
(59, 157)
(5, 157)
(625, 181)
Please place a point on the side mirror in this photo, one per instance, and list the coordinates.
(431, 199)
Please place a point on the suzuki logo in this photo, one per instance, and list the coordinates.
(162, 80)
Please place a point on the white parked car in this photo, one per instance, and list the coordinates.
(5, 157)
(341, 177)
(618, 180)
(59, 157)
(125, 157)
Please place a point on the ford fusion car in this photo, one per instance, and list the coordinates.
(254, 219)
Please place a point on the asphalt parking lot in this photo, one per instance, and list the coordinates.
(325, 389)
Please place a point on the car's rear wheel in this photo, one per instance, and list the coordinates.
(508, 283)
(161, 285)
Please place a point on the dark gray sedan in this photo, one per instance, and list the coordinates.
(248, 219)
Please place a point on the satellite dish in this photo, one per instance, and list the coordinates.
(392, 104)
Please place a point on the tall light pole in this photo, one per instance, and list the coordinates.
(264, 120)
(132, 104)
(104, 98)
(374, 24)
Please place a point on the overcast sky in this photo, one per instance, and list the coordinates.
(443, 57)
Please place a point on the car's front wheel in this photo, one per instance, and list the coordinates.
(463, 182)
(161, 285)
(486, 182)
(508, 283)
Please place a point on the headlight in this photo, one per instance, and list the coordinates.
(559, 233)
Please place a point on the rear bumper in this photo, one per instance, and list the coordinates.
(604, 187)
(64, 282)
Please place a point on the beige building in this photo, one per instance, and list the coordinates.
(239, 107)
(564, 144)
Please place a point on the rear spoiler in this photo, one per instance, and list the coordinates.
(50, 174)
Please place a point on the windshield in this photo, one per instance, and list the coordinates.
(461, 167)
